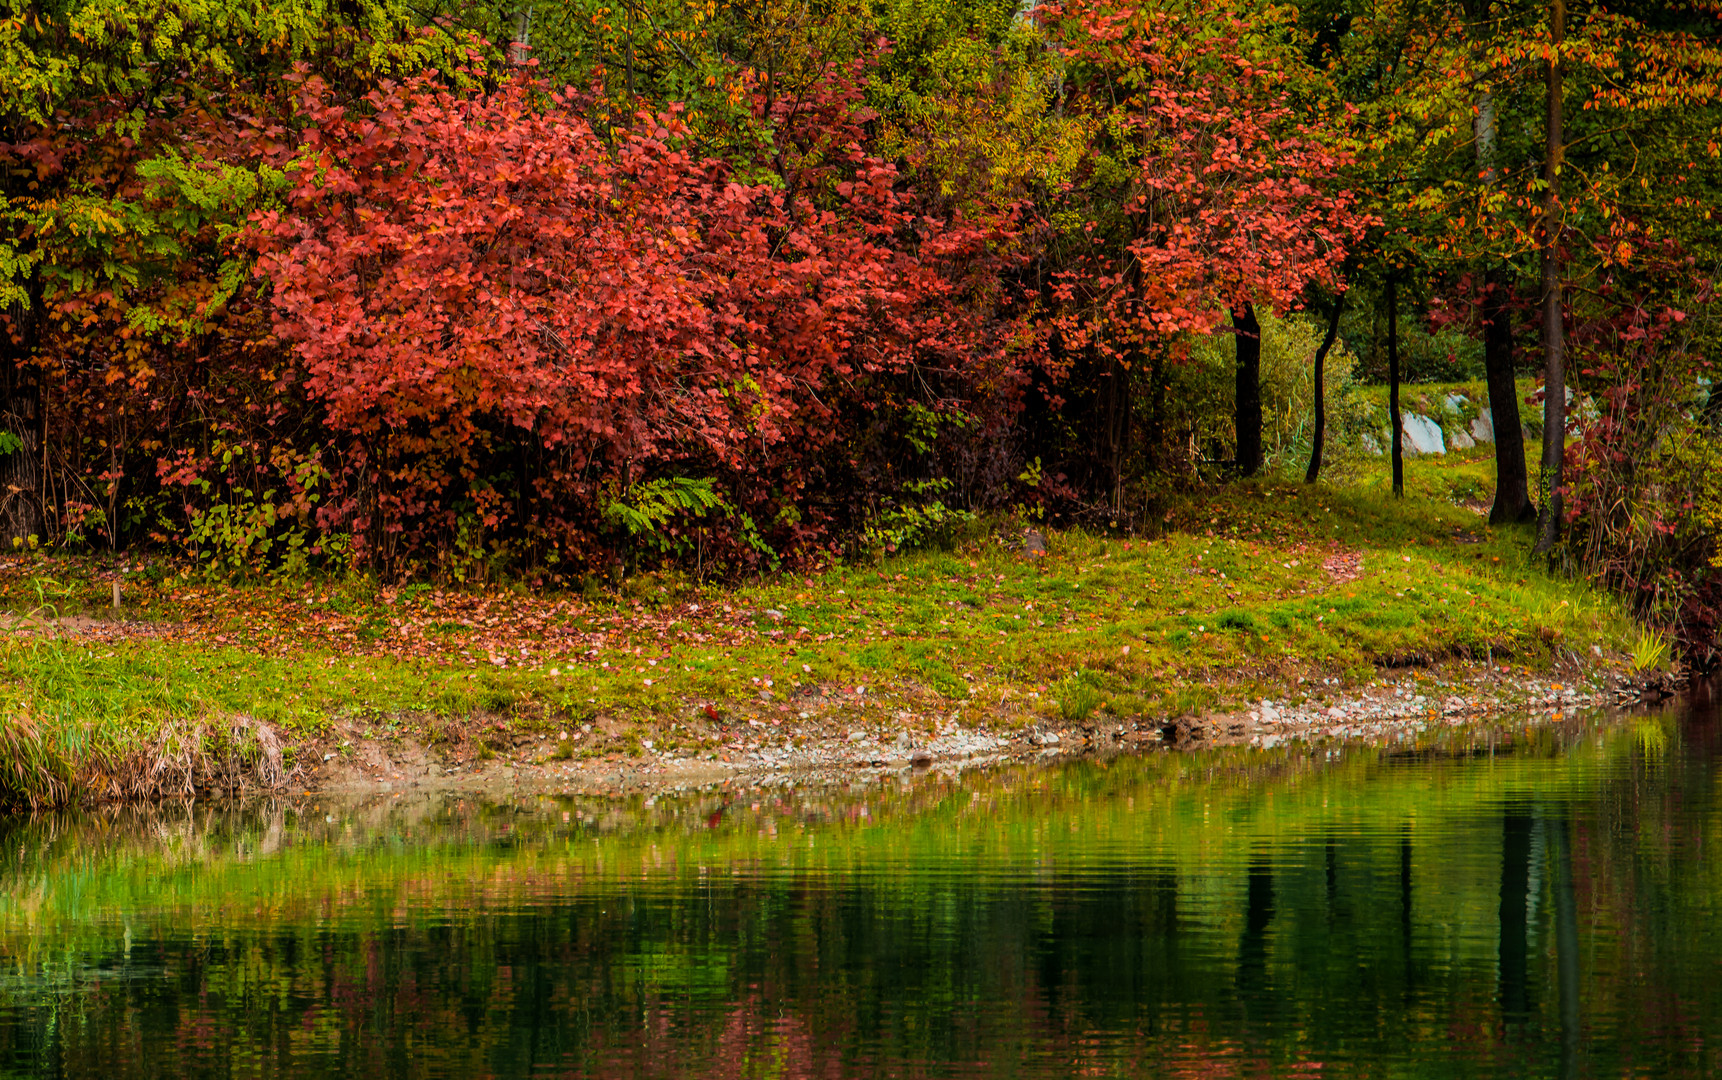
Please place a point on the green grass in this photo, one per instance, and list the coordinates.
(1231, 604)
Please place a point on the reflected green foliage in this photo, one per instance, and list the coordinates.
(1224, 914)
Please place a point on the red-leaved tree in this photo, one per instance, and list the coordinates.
(1208, 189)
(508, 317)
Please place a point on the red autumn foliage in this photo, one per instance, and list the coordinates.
(1643, 490)
(1228, 195)
(479, 284)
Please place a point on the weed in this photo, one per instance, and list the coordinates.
(1649, 651)
(1078, 697)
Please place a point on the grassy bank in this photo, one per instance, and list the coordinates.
(1249, 591)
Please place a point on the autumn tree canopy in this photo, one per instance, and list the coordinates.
(410, 286)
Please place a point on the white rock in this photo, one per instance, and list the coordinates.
(1462, 441)
(1483, 428)
(1422, 435)
(1455, 403)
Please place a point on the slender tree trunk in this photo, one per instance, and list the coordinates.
(1554, 329)
(1512, 488)
(521, 49)
(1249, 392)
(1393, 420)
(1154, 431)
(1319, 439)
(1120, 397)
(631, 51)
(22, 495)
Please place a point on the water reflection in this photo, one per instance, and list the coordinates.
(1535, 907)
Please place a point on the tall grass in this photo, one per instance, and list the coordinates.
(88, 736)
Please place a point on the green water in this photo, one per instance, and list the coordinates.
(1541, 905)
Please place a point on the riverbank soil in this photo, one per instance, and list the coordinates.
(1325, 603)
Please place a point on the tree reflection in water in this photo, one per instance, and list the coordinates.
(1533, 909)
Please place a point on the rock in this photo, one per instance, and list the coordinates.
(1462, 441)
(1422, 435)
(920, 759)
(1371, 445)
(857, 736)
(904, 741)
(1269, 714)
(1455, 403)
(1034, 545)
(1483, 428)
(1043, 739)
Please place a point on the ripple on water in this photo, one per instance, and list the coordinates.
(1543, 908)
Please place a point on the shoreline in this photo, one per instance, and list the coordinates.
(1415, 707)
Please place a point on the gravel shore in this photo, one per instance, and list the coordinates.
(834, 740)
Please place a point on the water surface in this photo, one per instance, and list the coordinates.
(1543, 905)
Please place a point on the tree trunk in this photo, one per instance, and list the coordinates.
(1393, 420)
(1554, 330)
(1154, 433)
(1249, 392)
(630, 44)
(1119, 399)
(22, 500)
(1512, 489)
(1319, 439)
(522, 45)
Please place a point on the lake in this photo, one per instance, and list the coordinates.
(1538, 902)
